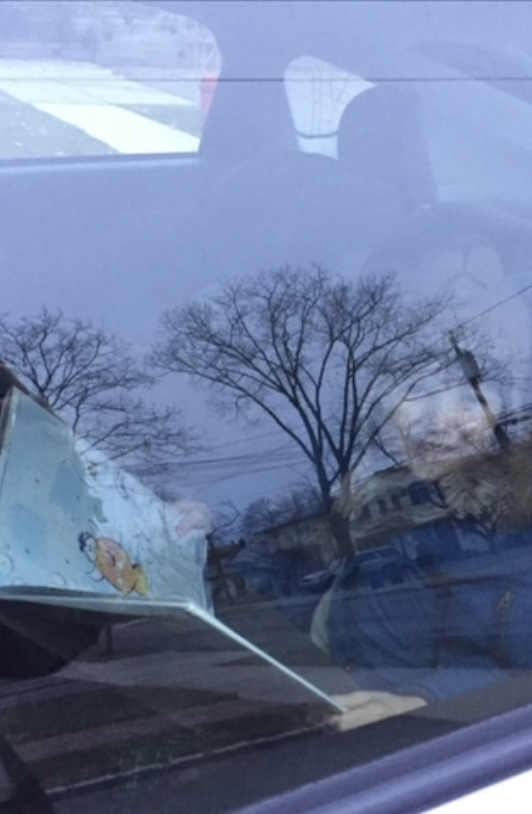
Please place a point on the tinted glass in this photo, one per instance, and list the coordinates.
(265, 439)
(82, 79)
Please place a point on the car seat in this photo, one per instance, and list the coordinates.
(381, 138)
(382, 177)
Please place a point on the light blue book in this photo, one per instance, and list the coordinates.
(81, 535)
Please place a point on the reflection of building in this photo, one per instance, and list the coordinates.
(274, 561)
(393, 498)
(311, 536)
(399, 503)
(452, 505)
(431, 511)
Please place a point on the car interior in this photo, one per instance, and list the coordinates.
(425, 173)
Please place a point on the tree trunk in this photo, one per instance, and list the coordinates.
(339, 526)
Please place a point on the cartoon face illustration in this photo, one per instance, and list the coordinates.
(114, 564)
(88, 545)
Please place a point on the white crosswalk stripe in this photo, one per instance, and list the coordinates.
(125, 131)
(89, 97)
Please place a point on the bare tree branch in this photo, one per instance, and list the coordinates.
(329, 360)
(91, 379)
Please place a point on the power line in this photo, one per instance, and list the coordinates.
(496, 305)
(263, 80)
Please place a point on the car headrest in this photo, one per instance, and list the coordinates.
(381, 136)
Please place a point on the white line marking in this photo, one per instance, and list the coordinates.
(125, 131)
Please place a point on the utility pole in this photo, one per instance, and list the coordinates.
(471, 371)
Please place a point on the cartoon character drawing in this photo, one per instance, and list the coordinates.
(114, 564)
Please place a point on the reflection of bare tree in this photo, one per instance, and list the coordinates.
(258, 515)
(493, 489)
(265, 513)
(92, 380)
(328, 360)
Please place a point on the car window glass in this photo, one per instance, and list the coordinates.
(317, 93)
(265, 392)
(102, 79)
